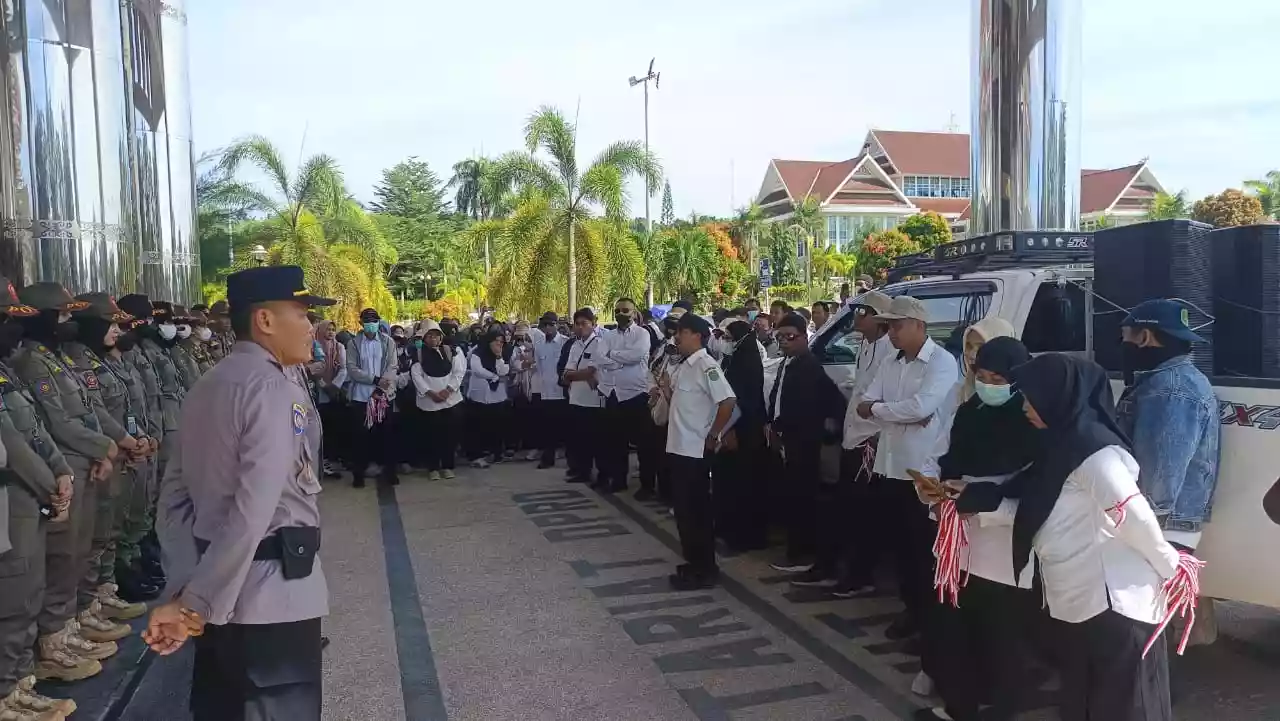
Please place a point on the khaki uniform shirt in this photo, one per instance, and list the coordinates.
(107, 395)
(171, 389)
(146, 372)
(220, 345)
(33, 455)
(63, 400)
(249, 472)
(185, 362)
(199, 352)
(134, 410)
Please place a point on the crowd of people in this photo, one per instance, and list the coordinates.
(1031, 522)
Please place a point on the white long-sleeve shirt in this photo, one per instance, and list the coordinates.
(583, 355)
(1090, 563)
(624, 365)
(478, 388)
(871, 355)
(453, 381)
(906, 392)
(546, 355)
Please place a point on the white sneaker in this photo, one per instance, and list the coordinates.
(433, 476)
(922, 685)
(448, 474)
(533, 455)
(479, 463)
(784, 567)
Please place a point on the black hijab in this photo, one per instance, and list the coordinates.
(1073, 398)
(1001, 355)
(92, 331)
(487, 358)
(436, 362)
(745, 373)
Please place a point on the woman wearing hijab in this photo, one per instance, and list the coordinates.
(739, 489)
(1100, 553)
(330, 373)
(437, 375)
(520, 358)
(488, 400)
(973, 652)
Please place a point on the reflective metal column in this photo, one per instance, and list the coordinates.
(163, 160)
(1025, 115)
(64, 146)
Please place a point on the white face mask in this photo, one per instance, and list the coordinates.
(203, 334)
(168, 331)
(184, 331)
(724, 346)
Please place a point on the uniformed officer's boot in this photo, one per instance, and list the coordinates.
(83, 647)
(58, 663)
(24, 696)
(152, 570)
(94, 627)
(17, 713)
(132, 587)
(114, 607)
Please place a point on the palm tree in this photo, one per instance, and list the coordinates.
(1267, 192)
(557, 205)
(1168, 207)
(481, 194)
(690, 262)
(747, 229)
(310, 220)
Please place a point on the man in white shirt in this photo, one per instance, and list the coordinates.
(548, 395)
(903, 398)
(584, 411)
(624, 384)
(702, 403)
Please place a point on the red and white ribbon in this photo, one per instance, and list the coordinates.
(1119, 510)
(375, 410)
(868, 460)
(1180, 593)
(952, 540)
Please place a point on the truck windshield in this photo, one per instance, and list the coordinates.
(951, 310)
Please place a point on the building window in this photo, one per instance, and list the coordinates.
(934, 186)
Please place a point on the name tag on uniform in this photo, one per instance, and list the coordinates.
(131, 424)
(91, 380)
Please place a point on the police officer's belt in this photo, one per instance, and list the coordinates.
(294, 546)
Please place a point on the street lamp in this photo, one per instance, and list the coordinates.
(648, 221)
(259, 254)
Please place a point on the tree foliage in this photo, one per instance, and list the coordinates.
(1229, 208)
(927, 229)
(668, 216)
(409, 189)
(1267, 191)
(1169, 207)
(876, 255)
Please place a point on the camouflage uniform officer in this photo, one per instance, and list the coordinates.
(182, 351)
(139, 375)
(98, 330)
(223, 337)
(38, 481)
(198, 344)
(64, 405)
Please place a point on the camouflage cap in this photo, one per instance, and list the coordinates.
(197, 316)
(102, 305)
(181, 314)
(219, 308)
(48, 295)
(162, 311)
(9, 302)
(136, 305)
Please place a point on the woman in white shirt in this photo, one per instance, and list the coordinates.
(1099, 551)
(487, 401)
(437, 375)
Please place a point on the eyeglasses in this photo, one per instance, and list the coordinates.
(786, 337)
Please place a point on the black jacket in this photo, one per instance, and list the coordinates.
(745, 372)
(809, 398)
(989, 440)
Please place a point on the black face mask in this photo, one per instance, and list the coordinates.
(623, 319)
(10, 336)
(126, 342)
(1137, 359)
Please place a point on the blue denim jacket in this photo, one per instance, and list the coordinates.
(1171, 415)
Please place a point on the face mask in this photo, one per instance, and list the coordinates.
(992, 395)
(724, 346)
(184, 331)
(10, 337)
(126, 342)
(751, 315)
(417, 342)
(370, 328)
(168, 331)
(203, 334)
(671, 349)
(67, 332)
(624, 319)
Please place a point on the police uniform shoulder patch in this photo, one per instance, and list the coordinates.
(299, 419)
(91, 380)
(44, 387)
(713, 374)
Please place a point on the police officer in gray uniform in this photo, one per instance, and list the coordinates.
(97, 332)
(258, 584)
(64, 405)
(37, 497)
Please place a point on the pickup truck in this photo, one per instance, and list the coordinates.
(1051, 309)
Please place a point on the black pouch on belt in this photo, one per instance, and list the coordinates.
(300, 545)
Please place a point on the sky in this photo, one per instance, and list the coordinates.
(1189, 84)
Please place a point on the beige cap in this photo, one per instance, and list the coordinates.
(904, 306)
(724, 324)
(875, 300)
(675, 312)
(427, 325)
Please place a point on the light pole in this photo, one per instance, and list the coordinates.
(648, 221)
(259, 254)
(426, 287)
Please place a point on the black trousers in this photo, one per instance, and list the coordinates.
(584, 429)
(548, 425)
(626, 422)
(373, 445)
(656, 475)
(335, 421)
(801, 470)
(695, 515)
(903, 522)
(1105, 678)
(259, 672)
(977, 654)
(740, 491)
(521, 431)
(439, 437)
(863, 547)
(487, 425)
